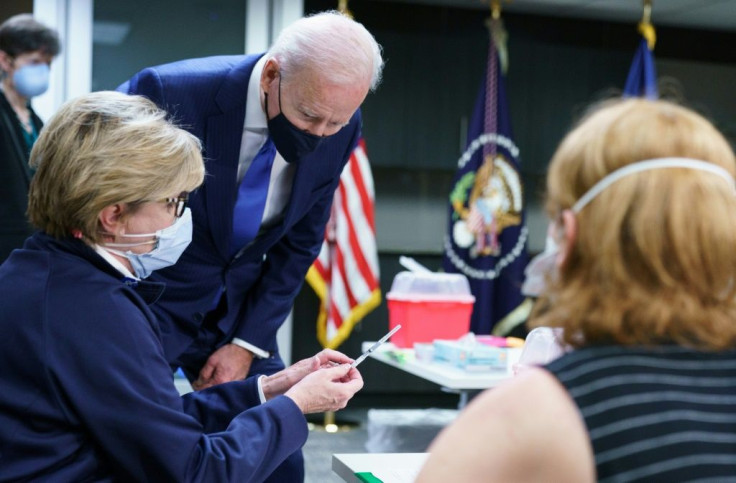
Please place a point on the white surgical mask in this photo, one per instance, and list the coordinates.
(170, 244)
(538, 267)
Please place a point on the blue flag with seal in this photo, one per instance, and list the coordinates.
(486, 231)
(642, 78)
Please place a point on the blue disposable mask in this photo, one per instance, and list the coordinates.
(291, 142)
(170, 243)
(31, 80)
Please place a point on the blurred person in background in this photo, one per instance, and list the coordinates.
(27, 48)
(643, 282)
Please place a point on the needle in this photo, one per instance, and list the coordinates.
(374, 347)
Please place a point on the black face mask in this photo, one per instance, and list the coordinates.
(291, 142)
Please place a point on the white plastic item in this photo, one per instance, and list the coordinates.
(430, 285)
(542, 346)
(412, 265)
(405, 430)
(424, 351)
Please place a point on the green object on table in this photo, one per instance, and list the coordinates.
(368, 477)
(398, 355)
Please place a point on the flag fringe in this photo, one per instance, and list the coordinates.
(517, 316)
(315, 280)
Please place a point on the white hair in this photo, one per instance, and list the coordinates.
(332, 43)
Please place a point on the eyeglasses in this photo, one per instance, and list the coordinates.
(180, 203)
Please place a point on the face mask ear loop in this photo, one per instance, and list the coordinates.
(647, 165)
(280, 110)
(129, 245)
(153, 235)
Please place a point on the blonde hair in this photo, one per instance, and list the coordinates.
(103, 149)
(654, 258)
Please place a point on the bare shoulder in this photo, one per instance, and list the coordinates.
(527, 429)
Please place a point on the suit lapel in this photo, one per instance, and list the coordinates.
(221, 151)
(224, 133)
(300, 189)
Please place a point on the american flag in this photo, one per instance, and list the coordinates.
(345, 274)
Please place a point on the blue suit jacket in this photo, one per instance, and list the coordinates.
(88, 395)
(208, 97)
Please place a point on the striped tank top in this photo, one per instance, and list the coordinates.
(655, 414)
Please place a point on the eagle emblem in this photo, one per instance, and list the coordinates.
(485, 202)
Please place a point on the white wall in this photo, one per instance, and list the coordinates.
(71, 73)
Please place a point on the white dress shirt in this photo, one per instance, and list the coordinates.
(255, 131)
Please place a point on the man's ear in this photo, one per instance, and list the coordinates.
(569, 234)
(111, 219)
(271, 73)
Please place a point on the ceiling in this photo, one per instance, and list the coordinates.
(697, 14)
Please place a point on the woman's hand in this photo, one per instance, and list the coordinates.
(282, 381)
(327, 389)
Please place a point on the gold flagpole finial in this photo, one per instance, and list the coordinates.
(342, 7)
(646, 15)
(498, 33)
(646, 29)
(495, 9)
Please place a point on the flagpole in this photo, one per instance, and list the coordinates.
(342, 7)
(330, 423)
(646, 29)
(498, 33)
(641, 80)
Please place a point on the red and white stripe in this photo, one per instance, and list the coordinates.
(345, 274)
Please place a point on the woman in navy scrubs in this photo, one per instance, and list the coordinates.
(87, 393)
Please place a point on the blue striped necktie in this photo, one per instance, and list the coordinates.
(251, 200)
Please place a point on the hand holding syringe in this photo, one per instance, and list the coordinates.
(372, 348)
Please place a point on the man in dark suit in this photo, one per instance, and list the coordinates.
(228, 295)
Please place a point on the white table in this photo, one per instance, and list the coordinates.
(451, 379)
(400, 465)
